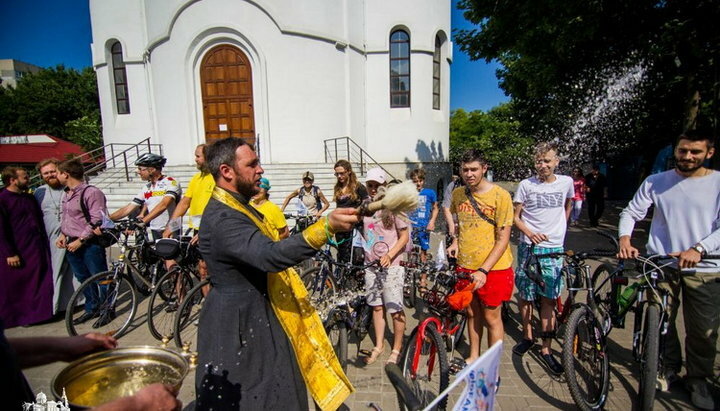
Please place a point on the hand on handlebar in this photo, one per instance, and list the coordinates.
(688, 258)
(385, 261)
(627, 251)
(453, 249)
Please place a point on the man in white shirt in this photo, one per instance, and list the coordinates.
(685, 223)
(542, 208)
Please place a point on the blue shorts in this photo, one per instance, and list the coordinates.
(551, 273)
(421, 237)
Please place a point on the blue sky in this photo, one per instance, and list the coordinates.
(51, 32)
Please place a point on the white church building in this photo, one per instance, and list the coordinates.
(286, 74)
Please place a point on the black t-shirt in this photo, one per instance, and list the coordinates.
(14, 389)
(345, 201)
(596, 185)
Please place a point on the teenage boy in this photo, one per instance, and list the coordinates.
(542, 208)
(685, 223)
(423, 218)
(485, 216)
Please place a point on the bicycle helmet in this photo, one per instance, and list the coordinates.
(151, 160)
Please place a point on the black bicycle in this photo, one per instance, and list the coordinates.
(172, 288)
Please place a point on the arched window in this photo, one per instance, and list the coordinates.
(122, 99)
(399, 69)
(436, 74)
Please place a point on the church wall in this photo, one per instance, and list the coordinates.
(106, 29)
(418, 133)
(320, 70)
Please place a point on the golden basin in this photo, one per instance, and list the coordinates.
(105, 376)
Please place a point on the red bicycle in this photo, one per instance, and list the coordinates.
(424, 362)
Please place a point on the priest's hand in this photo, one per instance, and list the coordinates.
(14, 261)
(343, 219)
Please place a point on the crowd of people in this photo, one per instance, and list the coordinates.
(253, 317)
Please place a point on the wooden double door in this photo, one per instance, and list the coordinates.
(226, 78)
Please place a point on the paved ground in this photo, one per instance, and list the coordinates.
(525, 382)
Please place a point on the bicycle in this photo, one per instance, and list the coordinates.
(188, 316)
(114, 292)
(584, 349)
(652, 319)
(423, 361)
(301, 223)
(173, 286)
(143, 266)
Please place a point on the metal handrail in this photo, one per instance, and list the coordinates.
(121, 156)
(352, 152)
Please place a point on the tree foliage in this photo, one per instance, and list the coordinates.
(558, 55)
(495, 133)
(57, 101)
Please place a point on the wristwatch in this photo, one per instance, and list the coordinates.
(482, 270)
(700, 249)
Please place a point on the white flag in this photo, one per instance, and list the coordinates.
(481, 382)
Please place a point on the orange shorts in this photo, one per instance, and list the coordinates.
(498, 287)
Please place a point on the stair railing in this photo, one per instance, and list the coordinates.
(345, 147)
(117, 158)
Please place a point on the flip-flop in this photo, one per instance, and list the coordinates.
(371, 356)
(393, 358)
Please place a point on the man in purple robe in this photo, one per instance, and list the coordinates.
(26, 289)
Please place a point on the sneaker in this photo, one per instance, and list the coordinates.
(555, 367)
(522, 347)
(666, 380)
(700, 395)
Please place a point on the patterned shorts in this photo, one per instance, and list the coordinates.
(385, 287)
(551, 273)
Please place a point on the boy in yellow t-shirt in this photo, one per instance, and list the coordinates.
(271, 212)
(485, 216)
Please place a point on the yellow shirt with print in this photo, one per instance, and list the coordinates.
(272, 214)
(199, 191)
(477, 236)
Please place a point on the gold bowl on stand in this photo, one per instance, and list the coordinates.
(108, 375)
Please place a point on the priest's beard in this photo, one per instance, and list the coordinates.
(248, 188)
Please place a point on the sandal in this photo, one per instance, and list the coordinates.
(393, 358)
(372, 356)
(457, 364)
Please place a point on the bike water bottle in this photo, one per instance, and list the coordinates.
(627, 298)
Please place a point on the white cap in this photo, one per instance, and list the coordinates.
(375, 174)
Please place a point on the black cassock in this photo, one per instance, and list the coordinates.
(245, 360)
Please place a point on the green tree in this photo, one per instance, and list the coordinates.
(57, 101)
(496, 133)
(558, 54)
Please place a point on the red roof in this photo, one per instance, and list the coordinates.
(34, 152)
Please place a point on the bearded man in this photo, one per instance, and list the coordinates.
(685, 223)
(49, 196)
(25, 270)
(260, 341)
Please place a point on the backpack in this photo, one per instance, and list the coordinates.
(314, 192)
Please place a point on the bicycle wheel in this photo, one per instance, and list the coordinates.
(164, 301)
(602, 284)
(585, 360)
(649, 356)
(320, 286)
(188, 316)
(336, 330)
(116, 306)
(409, 288)
(428, 370)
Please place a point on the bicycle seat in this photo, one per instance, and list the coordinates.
(167, 248)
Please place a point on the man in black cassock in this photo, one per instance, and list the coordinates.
(246, 360)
